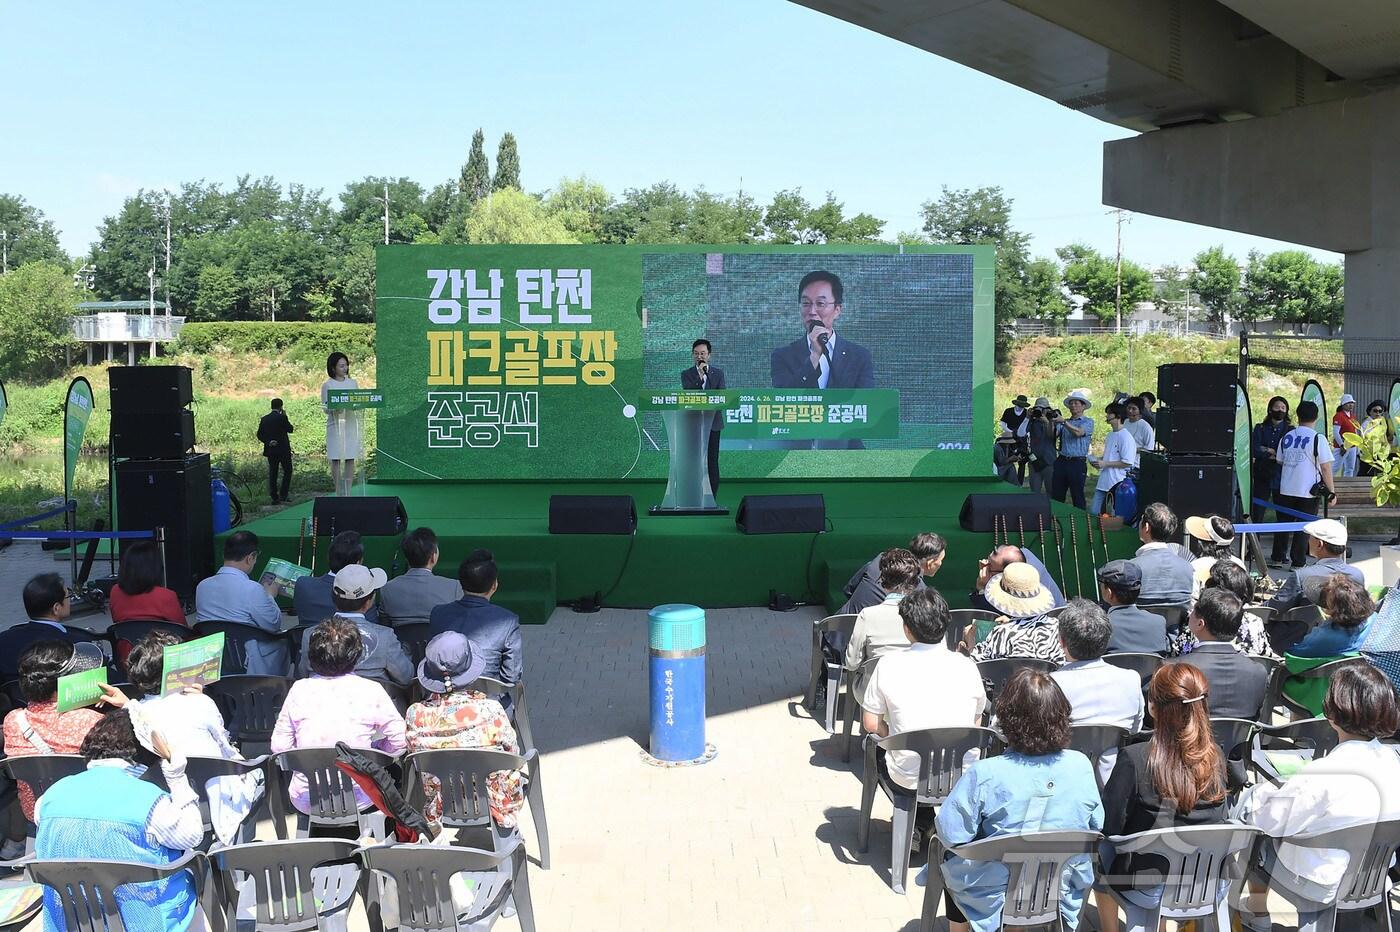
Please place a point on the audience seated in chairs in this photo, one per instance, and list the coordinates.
(192, 721)
(898, 698)
(1253, 636)
(138, 593)
(493, 630)
(383, 658)
(1017, 593)
(864, 588)
(40, 728)
(879, 628)
(1349, 610)
(1098, 693)
(991, 799)
(109, 812)
(1382, 645)
(47, 605)
(231, 595)
(454, 716)
(336, 705)
(997, 561)
(412, 597)
(314, 600)
(1167, 576)
(1237, 684)
(1327, 544)
(1177, 778)
(1353, 785)
(1209, 539)
(1135, 630)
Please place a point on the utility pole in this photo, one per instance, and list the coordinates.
(1118, 283)
(167, 254)
(274, 303)
(386, 213)
(4, 252)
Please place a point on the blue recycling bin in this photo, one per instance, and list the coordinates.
(677, 672)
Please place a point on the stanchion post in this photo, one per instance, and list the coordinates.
(676, 662)
(160, 542)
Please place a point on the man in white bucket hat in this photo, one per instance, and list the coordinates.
(1072, 463)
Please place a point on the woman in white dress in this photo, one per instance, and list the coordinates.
(342, 427)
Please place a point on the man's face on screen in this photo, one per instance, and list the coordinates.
(817, 303)
(701, 352)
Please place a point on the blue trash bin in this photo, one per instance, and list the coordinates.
(677, 662)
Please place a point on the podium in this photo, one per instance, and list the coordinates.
(342, 416)
(688, 416)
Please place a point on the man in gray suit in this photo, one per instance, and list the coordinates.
(1167, 577)
(1236, 686)
(1135, 630)
(384, 659)
(1098, 692)
(412, 597)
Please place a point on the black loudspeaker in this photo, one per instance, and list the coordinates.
(1197, 384)
(592, 514)
(982, 512)
(1189, 484)
(150, 388)
(781, 514)
(173, 494)
(1197, 430)
(152, 434)
(370, 515)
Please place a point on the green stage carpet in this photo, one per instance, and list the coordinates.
(701, 560)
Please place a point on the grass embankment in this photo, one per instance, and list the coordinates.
(238, 369)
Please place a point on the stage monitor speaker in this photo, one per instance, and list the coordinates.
(781, 514)
(1189, 484)
(150, 388)
(592, 514)
(1197, 430)
(370, 515)
(173, 494)
(152, 434)
(981, 511)
(1197, 384)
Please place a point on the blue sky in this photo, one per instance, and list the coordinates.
(107, 98)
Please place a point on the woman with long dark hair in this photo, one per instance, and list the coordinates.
(342, 427)
(138, 592)
(1176, 778)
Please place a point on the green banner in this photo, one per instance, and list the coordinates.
(353, 399)
(4, 402)
(77, 411)
(526, 362)
(1313, 392)
(1395, 411)
(193, 663)
(77, 690)
(813, 414)
(1244, 451)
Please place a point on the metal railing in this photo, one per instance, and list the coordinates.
(117, 327)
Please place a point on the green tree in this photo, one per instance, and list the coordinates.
(982, 216)
(1094, 277)
(25, 236)
(218, 295)
(37, 301)
(476, 173)
(1216, 282)
(580, 205)
(1292, 287)
(657, 213)
(786, 218)
(1045, 294)
(439, 205)
(128, 246)
(511, 216)
(361, 216)
(718, 219)
(507, 165)
(1173, 291)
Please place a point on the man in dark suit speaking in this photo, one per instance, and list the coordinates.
(821, 359)
(704, 376)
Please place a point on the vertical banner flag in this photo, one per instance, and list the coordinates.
(77, 411)
(1244, 451)
(4, 402)
(1313, 392)
(1395, 411)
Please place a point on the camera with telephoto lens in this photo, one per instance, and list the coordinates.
(1051, 413)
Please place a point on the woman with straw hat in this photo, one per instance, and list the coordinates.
(1027, 630)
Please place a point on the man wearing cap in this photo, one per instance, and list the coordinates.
(1015, 424)
(1040, 446)
(1344, 422)
(1135, 630)
(1071, 465)
(384, 659)
(1327, 544)
(1017, 593)
(493, 630)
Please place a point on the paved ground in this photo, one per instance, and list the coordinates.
(762, 836)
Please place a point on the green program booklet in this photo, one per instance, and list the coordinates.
(193, 663)
(77, 690)
(284, 574)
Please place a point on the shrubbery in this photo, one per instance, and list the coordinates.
(300, 342)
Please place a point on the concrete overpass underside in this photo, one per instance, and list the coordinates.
(1279, 118)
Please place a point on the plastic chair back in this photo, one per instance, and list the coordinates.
(996, 673)
(1274, 671)
(292, 894)
(422, 873)
(1144, 665)
(414, 638)
(250, 704)
(1036, 864)
(1370, 848)
(462, 773)
(331, 798)
(125, 634)
(1198, 857)
(1094, 741)
(960, 618)
(1174, 615)
(42, 771)
(86, 889)
(941, 754)
(1309, 615)
(518, 710)
(237, 637)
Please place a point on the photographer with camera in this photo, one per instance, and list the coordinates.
(1040, 444)
(1014, 427)
(1074, 434)
(1306, 476)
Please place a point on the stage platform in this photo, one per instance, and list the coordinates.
(703, 560)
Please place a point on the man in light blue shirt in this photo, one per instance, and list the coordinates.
(230, 595)
(1098, 692)
(1074, 434)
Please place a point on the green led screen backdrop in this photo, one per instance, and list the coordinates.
(530, 362)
